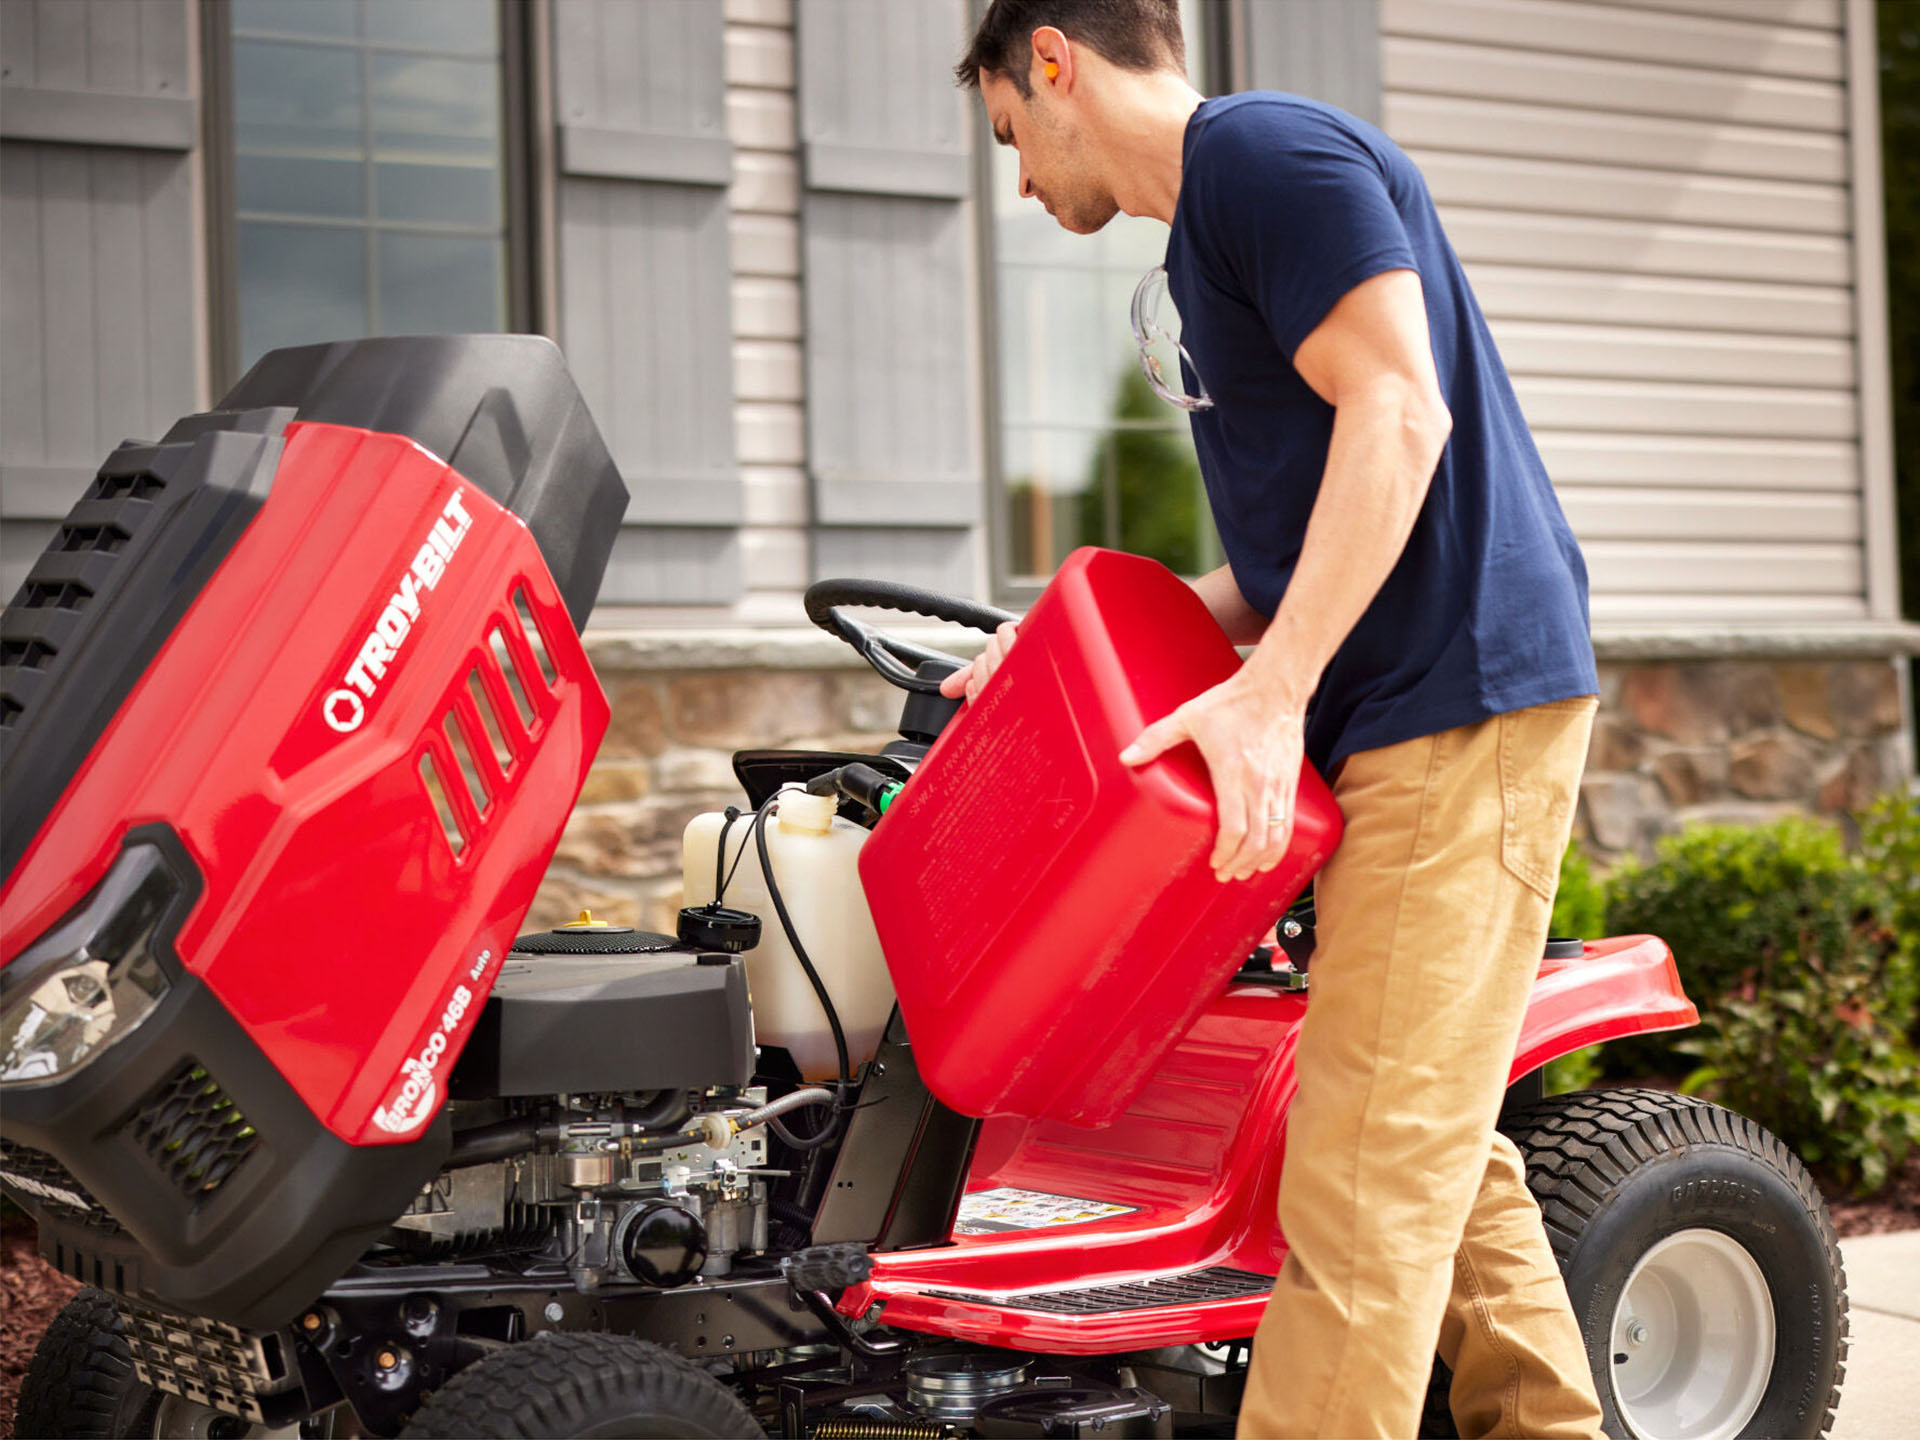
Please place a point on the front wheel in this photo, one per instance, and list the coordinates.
(583, 1384)
(80, 1384)
(1700, 1261)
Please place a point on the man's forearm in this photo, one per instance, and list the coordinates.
(1220, 593)
(1380, 462)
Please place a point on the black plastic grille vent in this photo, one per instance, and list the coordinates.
(127, 563)
(193, 1132)
(139, 484)
(37, 1174)
(110, 539)
(1196, 1287)
(44, 595)
(27, 654)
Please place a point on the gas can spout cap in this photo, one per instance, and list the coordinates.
(812, 814)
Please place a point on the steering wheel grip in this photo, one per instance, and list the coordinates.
(895, 659)
(824, 595)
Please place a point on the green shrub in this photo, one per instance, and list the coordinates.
(1731, 900)
(1580, 904)
(1579, 908)
(1806, 1048)
(1890, 854)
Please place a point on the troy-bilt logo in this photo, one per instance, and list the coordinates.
(58, 1193)
(418, 1093)
(345, 708)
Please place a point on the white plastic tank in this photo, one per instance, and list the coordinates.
(813, 853)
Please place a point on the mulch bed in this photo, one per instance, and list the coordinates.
(1896, 1207)
(34, 1291)
(31, 1294)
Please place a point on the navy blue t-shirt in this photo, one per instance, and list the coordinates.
(1285, 205)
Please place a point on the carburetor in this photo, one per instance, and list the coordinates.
(660, 1214)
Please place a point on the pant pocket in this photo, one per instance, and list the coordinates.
(1543, 750)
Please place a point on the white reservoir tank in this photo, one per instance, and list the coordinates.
(813, 852)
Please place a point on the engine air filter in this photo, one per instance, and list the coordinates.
(593, 940)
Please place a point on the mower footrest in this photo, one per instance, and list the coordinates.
(1193, 1287)
(209, 1362)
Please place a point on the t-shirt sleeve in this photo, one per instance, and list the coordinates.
(1297, 212)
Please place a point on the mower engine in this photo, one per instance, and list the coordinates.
(603, 1114)
(661, 1218)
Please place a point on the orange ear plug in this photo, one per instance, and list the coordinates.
(1052, 70)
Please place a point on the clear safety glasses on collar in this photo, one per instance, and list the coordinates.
(1148, 332)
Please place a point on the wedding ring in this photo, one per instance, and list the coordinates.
(1279, 819)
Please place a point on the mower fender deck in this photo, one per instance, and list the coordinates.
(1160, 1229)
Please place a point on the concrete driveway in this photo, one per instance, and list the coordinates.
(1880, 1398)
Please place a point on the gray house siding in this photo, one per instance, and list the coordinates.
(891, 405)
(642, 236)
(1653, 200)
(1667, 207)
(101, 309)
(1326, 49)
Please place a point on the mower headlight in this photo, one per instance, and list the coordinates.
(89, 980)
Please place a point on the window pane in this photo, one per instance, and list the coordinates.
(433, 284)
(299, 99)
(300, 284)
(331, 19)
(457, 27)
(292, 185)
(465, 195)
(423, 106)
(382, 122)
(1088, 454)
(1056, 495)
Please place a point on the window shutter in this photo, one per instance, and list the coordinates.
(97, 299)
(644, 282)
(891, 406)
(1325, 49)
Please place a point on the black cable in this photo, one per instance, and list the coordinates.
(721, 876)
(806, 1142)
(757, 824)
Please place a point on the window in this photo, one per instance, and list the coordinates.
(1081, 451)
(364, 171)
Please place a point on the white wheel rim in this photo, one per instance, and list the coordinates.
(1692, 1339)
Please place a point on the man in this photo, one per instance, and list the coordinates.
(1418, 610)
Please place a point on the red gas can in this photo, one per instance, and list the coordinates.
(1049, 914)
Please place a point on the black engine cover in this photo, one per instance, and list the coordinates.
(609, 1024)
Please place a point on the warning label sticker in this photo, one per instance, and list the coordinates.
(993, 1212)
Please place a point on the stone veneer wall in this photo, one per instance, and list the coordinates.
(1676, 741)
(668, 756)
(1738, 741)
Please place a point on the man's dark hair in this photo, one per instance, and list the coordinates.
(1133, 34)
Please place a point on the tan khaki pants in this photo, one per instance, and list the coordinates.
(1410, 1225)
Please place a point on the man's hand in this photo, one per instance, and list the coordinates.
(1253, 745)
(968, 681)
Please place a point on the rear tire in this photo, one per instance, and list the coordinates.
(587, 1385)
(1662, 1210)
(80, 1384)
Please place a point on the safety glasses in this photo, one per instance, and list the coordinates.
(1148, 333)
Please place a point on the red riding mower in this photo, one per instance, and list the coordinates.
(294, 709)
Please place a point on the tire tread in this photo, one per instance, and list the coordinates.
(543, 1386)
(77, 1381)
(1567, 1137)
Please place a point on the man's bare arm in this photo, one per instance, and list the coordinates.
(1220, 593)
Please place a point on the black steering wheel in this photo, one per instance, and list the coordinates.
(895, 659)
